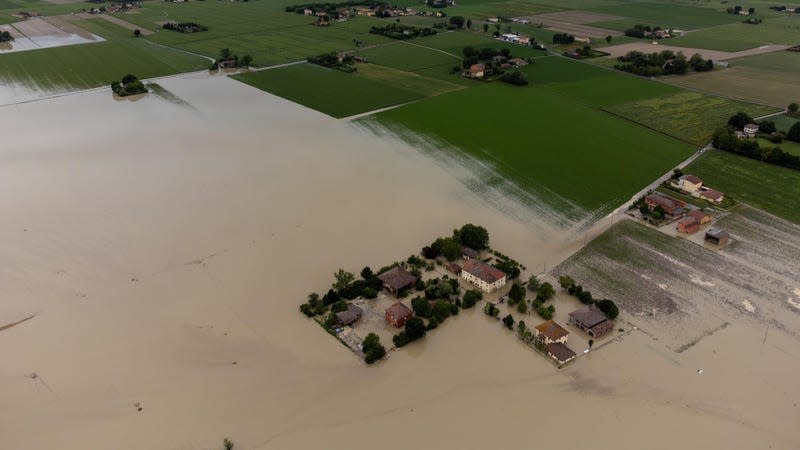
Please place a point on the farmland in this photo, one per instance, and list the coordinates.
(688, 116)
(784, 122)
(771, 188)
(523, 148)
(739, 36)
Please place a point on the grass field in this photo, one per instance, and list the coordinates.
(408, 56)
(739, 36)
(542, 143)
(771, 188)
(689, 116)
(784, 122)
(665, 14)
(332, 92)
(96, 64)
(786, 145)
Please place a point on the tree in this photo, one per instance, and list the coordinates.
(225, 53)
(514, 77)
(227, 444)
(366, 273)
(137, 32)
(474, 236)
(794, 132)
(245, 61)
(533, 283)
(457, 21)
(491, 310)
(508, 321)
(471, 297)
(767, 127)
(421, 306)
(469, 23)
(585, 297)
(545, 312)
(339, 306)
(441, 310)
(343, 278)
(739, 120)
(522, 329)
(609, 308)
(485, 27)
(330, 297)
(372, 348)
(522, 307)
(566, 281)
(792, 108)
(447, 247)
(546, 292)
(415, 328)
(517, 293)
(608, 39)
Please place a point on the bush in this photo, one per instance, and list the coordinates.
(523, 307)
(339, 306)
(794, 132)
(739, 120)
(491, 310)
(533, 283)
(545, 292)
(566, 282)
(429, 252)
(516, 294)
(471, 297)
(514, 77)
(609, 308)
(545, 313)
(508, 321)
(415, 328)
(372, 348)
(441, 310)
(585, 297)
(421, 307)
(369, 293)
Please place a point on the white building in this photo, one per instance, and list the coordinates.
(486, 277)
(690, 183)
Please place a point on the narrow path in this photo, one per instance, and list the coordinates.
(376, 111)
(434, 49)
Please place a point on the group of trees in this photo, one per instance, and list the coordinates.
(544, 292)
(726, 140)
(514, 77)
(641, 31)
(129, 85)
(738, 9)
(473, 236)
(415, 329)
(507, 265)
(332, 60)
(471, 297)
(563, 38)
(229, 59)
(666, 62)
(5, 36)
(372, 348)
(185, 27)
(345, 287)
(332, 7)
(402, 32)
(608, 307)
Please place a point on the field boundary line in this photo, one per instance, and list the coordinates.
(433, 49)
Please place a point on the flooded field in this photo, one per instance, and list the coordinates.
(164, 244)
(37, 33)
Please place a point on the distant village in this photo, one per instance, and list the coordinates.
(405, 301)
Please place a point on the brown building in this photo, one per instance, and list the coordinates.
(671, 205)
(477, 70)
(560, 352)
(398, 314)
(717, 236)
(591, 320)
(396, 279)
(350, 315)
(712, 196)
(701, 217)
(484, 276)
(550, 332)
(469, 253)
(688, 225)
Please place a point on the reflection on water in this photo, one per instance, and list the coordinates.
(24, 43)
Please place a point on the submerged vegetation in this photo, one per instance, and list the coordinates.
(129, 85)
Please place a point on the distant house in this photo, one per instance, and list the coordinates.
(688, 225)
(750, 129)
(349, 316)
(308, 12)
(230, 63)
(396, 279)
(493, 19)
(477, 70)
(469, 253)
(519, 62)
(717, 236)
(690, 183)
(712, 196)
(701, 217)
(510, 37)
(560, 352)
(550, 332)
(486, 277)
(398, 314)
(670, 205)
(585, 40)
(454, 268)
(524, 40)
(591, 320)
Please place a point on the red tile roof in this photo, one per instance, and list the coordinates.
(712, 194)
(552, 330)
(483, 271)
(698, 215)
(397, 278)
(692, 179)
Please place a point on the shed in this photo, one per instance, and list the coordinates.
(591, 320)
(349, 316)
(398, 314)
(396, 279)
(560, 352)
(717, 236)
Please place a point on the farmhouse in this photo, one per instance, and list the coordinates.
(476, 70)
(701, 217)
(550, 332)
(398, 314)
(750, 129)
(519, 62)
(349, 316)
(396, 279)
(585, 40)
(688, 225)
(560, 352)
(717, 236)
(509, 37)
(493, 19)
(672, 206)
(486, 277)
(690, 183)
(712, 195)
(591, 320)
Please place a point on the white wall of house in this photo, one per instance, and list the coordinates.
(546, 340)
(484, 286)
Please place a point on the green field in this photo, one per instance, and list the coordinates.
(784, 122)
(409, 56)
(689, 116)
(771, 188)
(665, 14)
(786, 145)
(95, 64)
(542, 143)
(335, 93)
(739, 36)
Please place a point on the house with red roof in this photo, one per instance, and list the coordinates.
(486, 277)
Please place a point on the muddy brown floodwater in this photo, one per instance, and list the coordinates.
(158, 242)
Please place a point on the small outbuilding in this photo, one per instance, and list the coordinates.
(454, 268)
(398, 314)
(469, 253)
(688, 225)
(349, 316)
(396, 279)
(560, 352)
(717, 236)
(477, 70)
(591, 320)
(701, 217)
(712, 196)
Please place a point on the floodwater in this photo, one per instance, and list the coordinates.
(38, 33)
(164, 248)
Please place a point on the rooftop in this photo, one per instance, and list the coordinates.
(483, 271)
(712, 194)
(694, 179)
(588, 316)
(717, 233)
(552, 330)
(560, 351)
(398, 310)
(397, 278)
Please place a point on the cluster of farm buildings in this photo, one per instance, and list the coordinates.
(485, 69)
(344, 13)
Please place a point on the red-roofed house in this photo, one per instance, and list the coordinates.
(398, 314)
(484, 276)
(670, 205)
(550, 332)
(712, 195)
(688, 225)
(701, 217)
(690, 183)
(476, 70)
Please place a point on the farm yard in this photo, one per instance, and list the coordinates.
(688, 116)
(771, 188)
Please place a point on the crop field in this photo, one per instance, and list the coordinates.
(739, 36)
(665, 14)
(786, 145)
(408, 56)
(771, 188)
(96, 64)
(689, 116)
(332, 92)
(525, 146)
(784, 122)
(454, 43)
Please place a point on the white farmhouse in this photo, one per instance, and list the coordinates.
(486, 277)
